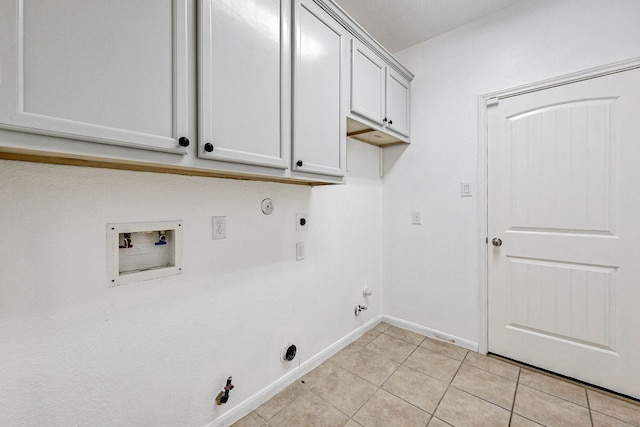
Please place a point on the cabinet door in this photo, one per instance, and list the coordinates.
(319, 125)
(242, 65)
(367, 83)
(398, 103)
(112, 71)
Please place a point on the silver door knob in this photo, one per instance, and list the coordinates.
(496, 241)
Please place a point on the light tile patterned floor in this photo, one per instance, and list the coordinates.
(393, 377)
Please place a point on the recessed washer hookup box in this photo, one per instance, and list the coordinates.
(143, 250)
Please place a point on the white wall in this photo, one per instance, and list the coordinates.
(75, 352)
(431, 274)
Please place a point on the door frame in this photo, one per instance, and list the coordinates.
(484, 101)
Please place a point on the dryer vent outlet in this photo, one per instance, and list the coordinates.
(289, 352)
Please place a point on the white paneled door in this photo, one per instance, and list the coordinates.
(564, 229)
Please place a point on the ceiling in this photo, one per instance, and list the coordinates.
(399, 24)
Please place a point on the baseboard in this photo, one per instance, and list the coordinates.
(432, 333)
(277, 386)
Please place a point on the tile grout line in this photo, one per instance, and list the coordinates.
(350, 417)
(448, 385)
(401, 364)
(565, 380)
(482, 398)
(612, 396)
(569, 380)
(556, 396)
(364, 347)
(515, 394)
(433, 415)
(394, 371)
(589, 406)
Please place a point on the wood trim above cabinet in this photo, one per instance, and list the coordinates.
(118, 164)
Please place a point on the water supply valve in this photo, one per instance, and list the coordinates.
(162, 238)
(359, 309)
(223, 396)
(126, 242)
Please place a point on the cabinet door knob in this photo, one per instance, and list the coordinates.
(390, 122)
(208, 147)
(384, 120)
(183, 141)
(299, 163)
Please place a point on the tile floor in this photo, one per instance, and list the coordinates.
(393, 377)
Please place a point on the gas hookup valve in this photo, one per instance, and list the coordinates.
(359, 309)
(223, 396)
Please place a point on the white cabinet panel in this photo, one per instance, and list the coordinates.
(241, 66)
(319, 126)
(380, 96)
(367, 83)
(398, 103)
(104, 71)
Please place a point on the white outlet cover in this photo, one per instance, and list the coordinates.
(219, 227)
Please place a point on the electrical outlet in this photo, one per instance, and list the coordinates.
(219, 227)
(299, 251)
(302, 221)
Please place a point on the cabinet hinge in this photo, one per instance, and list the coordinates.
(492, 101)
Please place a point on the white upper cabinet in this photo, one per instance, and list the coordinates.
(398, 103)
(367, 83)
(379, 94)
(112, 72)
(244, 57)
(319, 130)
(126, 84)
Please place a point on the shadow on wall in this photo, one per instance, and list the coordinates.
(392, 155)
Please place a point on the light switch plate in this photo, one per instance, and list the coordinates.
(299, 251)
(465, 189)
(416, 218)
